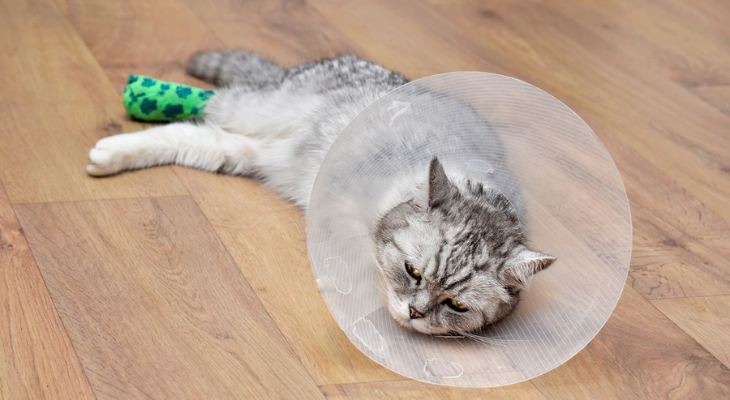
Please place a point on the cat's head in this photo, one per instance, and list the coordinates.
(453, 259)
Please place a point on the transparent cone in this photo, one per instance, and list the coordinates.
(513, 137)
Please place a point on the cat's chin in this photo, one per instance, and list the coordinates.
(401, 317)
(409, 325)
(412, 325)
(398, 313)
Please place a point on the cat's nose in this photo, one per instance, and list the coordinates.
(414, 313)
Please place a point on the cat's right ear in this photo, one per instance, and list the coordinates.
(440, 189)
(522, 265)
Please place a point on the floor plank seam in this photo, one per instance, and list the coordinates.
(261, 303)
(100, 199)
(689, 297)
(53, 302)
(685, 332)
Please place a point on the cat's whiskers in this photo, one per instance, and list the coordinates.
(490, 340)
(381, 290)
(374, 261)
(455, 337)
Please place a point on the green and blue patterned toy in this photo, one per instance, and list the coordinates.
(150, 99)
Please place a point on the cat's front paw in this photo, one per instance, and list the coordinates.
(107, 157)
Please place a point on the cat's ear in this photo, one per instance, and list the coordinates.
(522, 265)
(440, 189)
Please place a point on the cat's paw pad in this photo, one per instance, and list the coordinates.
(105, 158)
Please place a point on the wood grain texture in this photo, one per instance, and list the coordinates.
(154, 305)
(52, 153)
(288, 32)
(56, 103)
(694, 58)
(277, 266)
(680, 245)
(408, 37)
(403, 390)
(639, 354)
(36, 357)
(161, 36)
(706, 319)
(45, 60)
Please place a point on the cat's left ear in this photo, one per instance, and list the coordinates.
(522, 265)
(440, 189)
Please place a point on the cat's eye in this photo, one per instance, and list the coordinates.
(414, 273)
(455, 305)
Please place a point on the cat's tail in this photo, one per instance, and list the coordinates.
(240, 67)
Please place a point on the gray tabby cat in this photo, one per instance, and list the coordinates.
(453, 260)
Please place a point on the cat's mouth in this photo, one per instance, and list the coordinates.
(399, 310)
(402, 317)
(410, 324)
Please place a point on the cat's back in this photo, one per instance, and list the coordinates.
(342, 88)
(343, 73)
(306, 114)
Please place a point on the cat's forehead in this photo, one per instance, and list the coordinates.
(461, 244)
(419, 238)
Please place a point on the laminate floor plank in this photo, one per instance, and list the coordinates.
(56, 103)
(685, 42)
(639, 354)
(44, 159)
(408, 37)
(403, 390)
(287, 32)
(265, 235)
(153, 38)
(680, 245)
(154, 305)
(37, 360)
(706, 319)
(44, 59)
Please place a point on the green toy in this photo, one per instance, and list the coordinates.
(150, 99)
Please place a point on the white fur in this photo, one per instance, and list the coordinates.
(205, 147)
(245, 133)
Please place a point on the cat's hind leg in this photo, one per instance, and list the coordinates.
(205, 147)
(240, 67)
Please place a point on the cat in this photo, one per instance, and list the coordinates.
(453, 254)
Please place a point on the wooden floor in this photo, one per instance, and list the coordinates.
(174, 283)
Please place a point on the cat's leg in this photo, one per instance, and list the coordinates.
(200, 146)
(240, 67)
